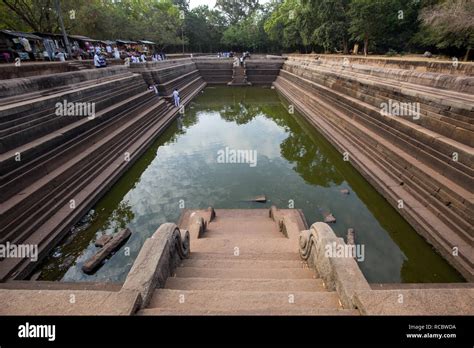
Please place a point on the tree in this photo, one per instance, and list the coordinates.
(449, 24)
(34, 15)
(236, 11)
(204, 28)
(331, 24)
(282, 25)
(370, 19)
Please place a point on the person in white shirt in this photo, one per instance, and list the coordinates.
(143, 58)
(116, 53)
(176, 98)
(61, 56)
(96, 60)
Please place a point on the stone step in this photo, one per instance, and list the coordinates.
(82, 138)
(245, 273)
(249, 312)
(242, 300)
(55, 285)
(57, 302)
(47, 124)
(29, 109)
(25, 90)
(177, 83)
(244, 284)
(237, 264)
(244, 245)
(82, 127)
(217, 256)
(248, 227)
(452, 103)
(443, 145)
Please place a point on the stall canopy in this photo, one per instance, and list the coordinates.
(127, 42)
(83, 38)
(28, 36)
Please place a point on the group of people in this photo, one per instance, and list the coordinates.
(140, 57)
(225, 54)
(135, 57)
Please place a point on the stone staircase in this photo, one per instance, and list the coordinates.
(263, 71)
(239, 77)
(275, 270)
(180, 74)
(244, 265)
(79, 65)
(215, 71)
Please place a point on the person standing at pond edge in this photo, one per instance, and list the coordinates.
(176, 98)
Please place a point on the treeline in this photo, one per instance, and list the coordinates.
(330, 26)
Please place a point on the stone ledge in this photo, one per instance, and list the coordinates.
(416, 302)
(58, 302)
(341, 274)
(156, 261)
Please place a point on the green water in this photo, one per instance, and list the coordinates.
(294, 164)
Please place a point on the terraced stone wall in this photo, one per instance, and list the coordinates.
(420, 159)
(55, 165)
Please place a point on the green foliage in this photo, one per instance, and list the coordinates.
(237, 10)
(331, 24)
(204, 28)
(283, 26)
(101, 19)
(277, 25)
(448, 24)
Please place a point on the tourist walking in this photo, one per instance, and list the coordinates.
(176, 98)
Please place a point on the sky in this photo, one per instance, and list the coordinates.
(196, 3)
(210, 3)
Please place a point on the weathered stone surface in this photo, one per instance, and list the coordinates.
(68, 302)
(246, 263)
(102, 240)
(416, 302)
(417, 151)
(157, 260)
(55, 150)
(329, 218)
(95, 261)
(341, 274)
(350, 236)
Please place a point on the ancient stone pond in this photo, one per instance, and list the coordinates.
(295, 167)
